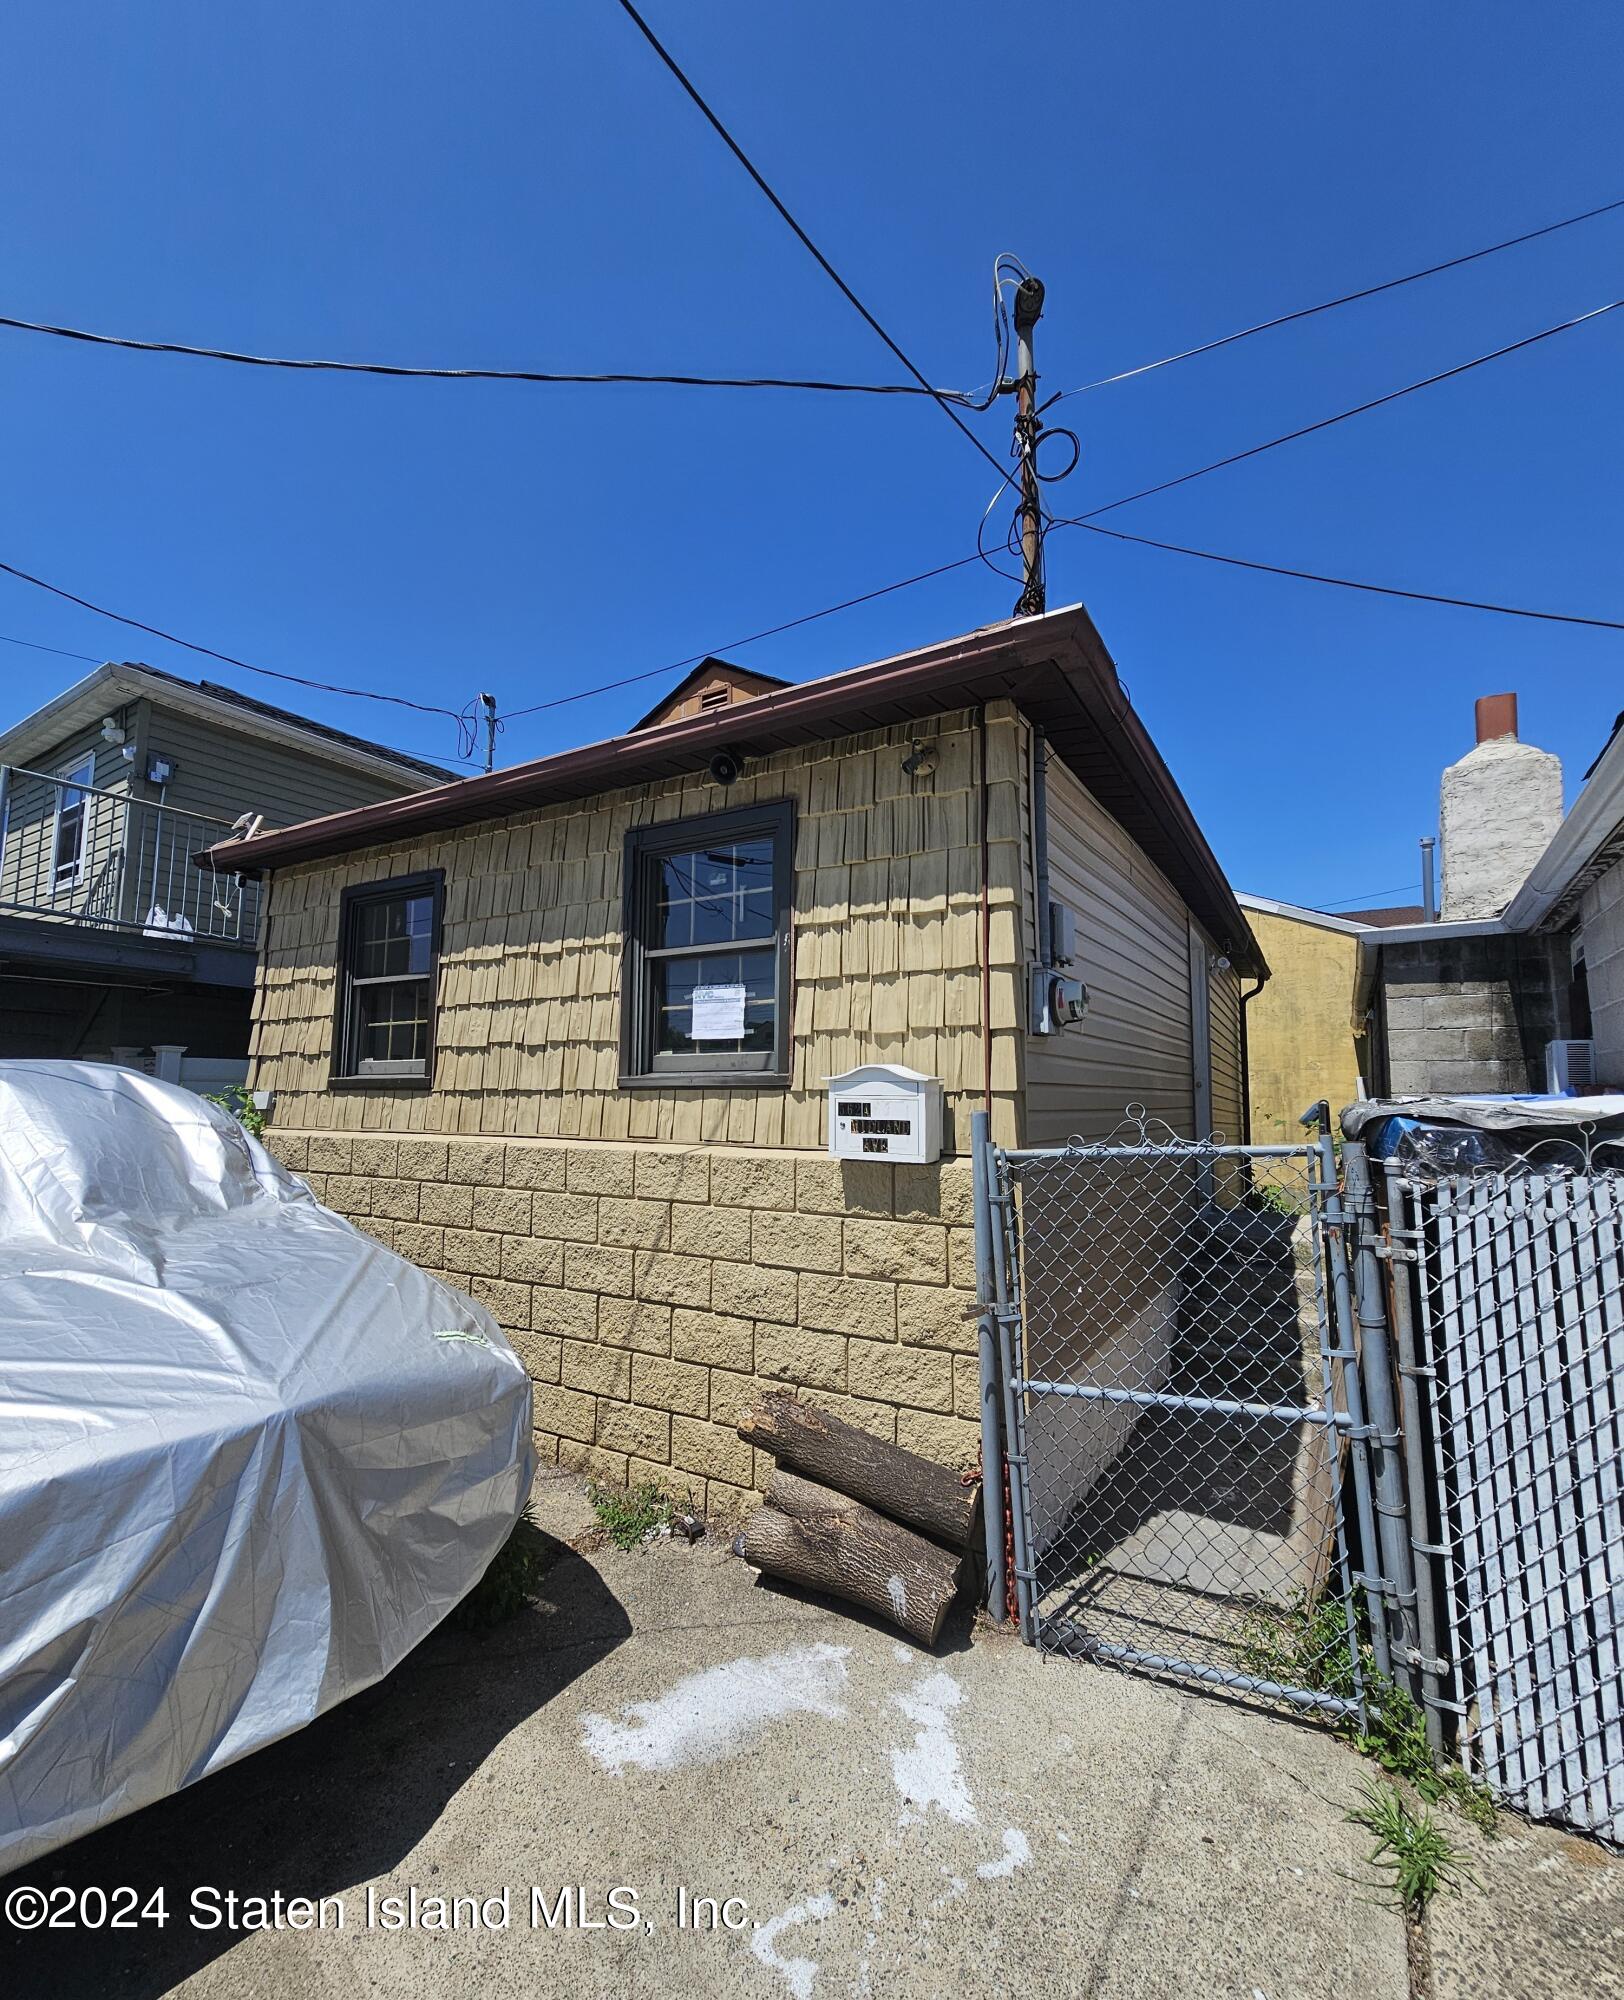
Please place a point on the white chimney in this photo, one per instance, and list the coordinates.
(1497, 810)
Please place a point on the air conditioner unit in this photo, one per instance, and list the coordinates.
(1570, 1068)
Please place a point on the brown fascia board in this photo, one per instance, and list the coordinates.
(1055, 668)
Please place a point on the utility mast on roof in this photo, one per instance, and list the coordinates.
(1028, 311)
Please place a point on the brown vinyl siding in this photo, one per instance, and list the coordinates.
(886, 916)
(1224, 1007)
(1133, 1045)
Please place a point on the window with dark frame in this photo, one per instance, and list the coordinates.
(706, 984)
(389, 944)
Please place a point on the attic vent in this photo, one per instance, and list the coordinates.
(715, 698)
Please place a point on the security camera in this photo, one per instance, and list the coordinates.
(725, 767)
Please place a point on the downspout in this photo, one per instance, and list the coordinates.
(986, 917)
(1246, 1062)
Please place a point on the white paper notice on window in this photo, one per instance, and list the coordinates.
(718, 1013)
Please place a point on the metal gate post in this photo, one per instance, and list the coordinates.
(1376, 1369)
(1007, 1314)
(1334, 1221)
(1405, 1236)
(992, 1451)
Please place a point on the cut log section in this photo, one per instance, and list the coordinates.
(808, 1535)
(909, 1488)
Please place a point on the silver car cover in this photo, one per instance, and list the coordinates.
(248, 1456)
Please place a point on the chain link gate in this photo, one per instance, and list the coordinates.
(1183, 1414)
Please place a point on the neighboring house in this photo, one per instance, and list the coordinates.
(1574, 900)
(564, 1032)
(1300, 1043)
(1471, 1002)
(112, 944)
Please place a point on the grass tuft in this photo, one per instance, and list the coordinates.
(511, 1581)
(1410, 1845)
(633, 1518)
(1306, 1646)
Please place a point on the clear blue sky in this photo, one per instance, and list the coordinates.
(518, 185)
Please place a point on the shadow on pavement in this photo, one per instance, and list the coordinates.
(332, 1806)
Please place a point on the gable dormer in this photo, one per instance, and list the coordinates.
(713, 684)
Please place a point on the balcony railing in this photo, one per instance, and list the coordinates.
(73, 853)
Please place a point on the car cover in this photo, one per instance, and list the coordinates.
(248, 1456)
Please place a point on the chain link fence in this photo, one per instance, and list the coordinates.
(1180, 1415)
(1509, 1316)
(1345, 1440)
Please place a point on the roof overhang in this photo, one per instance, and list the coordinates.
(1296, 913)
(117, 683)
(1373, 942)
(1055, 668)
(1589, 840)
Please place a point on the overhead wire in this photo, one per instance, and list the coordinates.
(210, 652)
(1343, 299)
(536, 375)
(804, 239)
(1358, 410)
(1352, 583)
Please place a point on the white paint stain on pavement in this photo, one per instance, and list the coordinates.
(926, 1771)
(1017, 1852)
(799, 1973)
(721, 1711)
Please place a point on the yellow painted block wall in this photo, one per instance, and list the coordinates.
(1300, 1036)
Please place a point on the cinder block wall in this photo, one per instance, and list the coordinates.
(1468, 1014)
(653, 1291)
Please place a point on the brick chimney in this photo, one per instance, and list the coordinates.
(1498, 808)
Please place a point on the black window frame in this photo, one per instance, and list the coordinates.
(429, 881)
(640, 1067)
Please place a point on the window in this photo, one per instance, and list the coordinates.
(389, 944)
(72, 807)
(706, 981)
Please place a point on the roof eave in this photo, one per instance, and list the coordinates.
(1056, 667)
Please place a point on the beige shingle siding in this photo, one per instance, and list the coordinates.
(886, 915)
(1133, 1045)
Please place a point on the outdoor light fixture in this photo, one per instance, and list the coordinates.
(111, 733)
(920, 761)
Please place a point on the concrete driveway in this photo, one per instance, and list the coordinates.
(665, 1727)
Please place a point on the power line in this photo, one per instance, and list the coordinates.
(772, 631)
(1341, 417)
(312, 366)
(1346, 298)
(229, 659)
(60, 651)
(806, 242)
(1346, 902)
(1352, 583)
(1116, 534)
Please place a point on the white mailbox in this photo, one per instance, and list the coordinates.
(885, 1111)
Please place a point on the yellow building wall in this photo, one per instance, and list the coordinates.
(1299, 1028)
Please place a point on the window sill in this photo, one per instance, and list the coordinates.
(712, 1079)
(380, 1083)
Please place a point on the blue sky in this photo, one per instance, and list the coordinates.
(515, 185)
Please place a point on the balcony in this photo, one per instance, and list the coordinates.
(86, 867)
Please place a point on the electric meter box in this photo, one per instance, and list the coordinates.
(885, 1111)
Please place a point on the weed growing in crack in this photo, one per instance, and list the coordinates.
(1410, 1845)
(630, 1519)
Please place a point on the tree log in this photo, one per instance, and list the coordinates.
(824, 1541)
(909, 1488)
